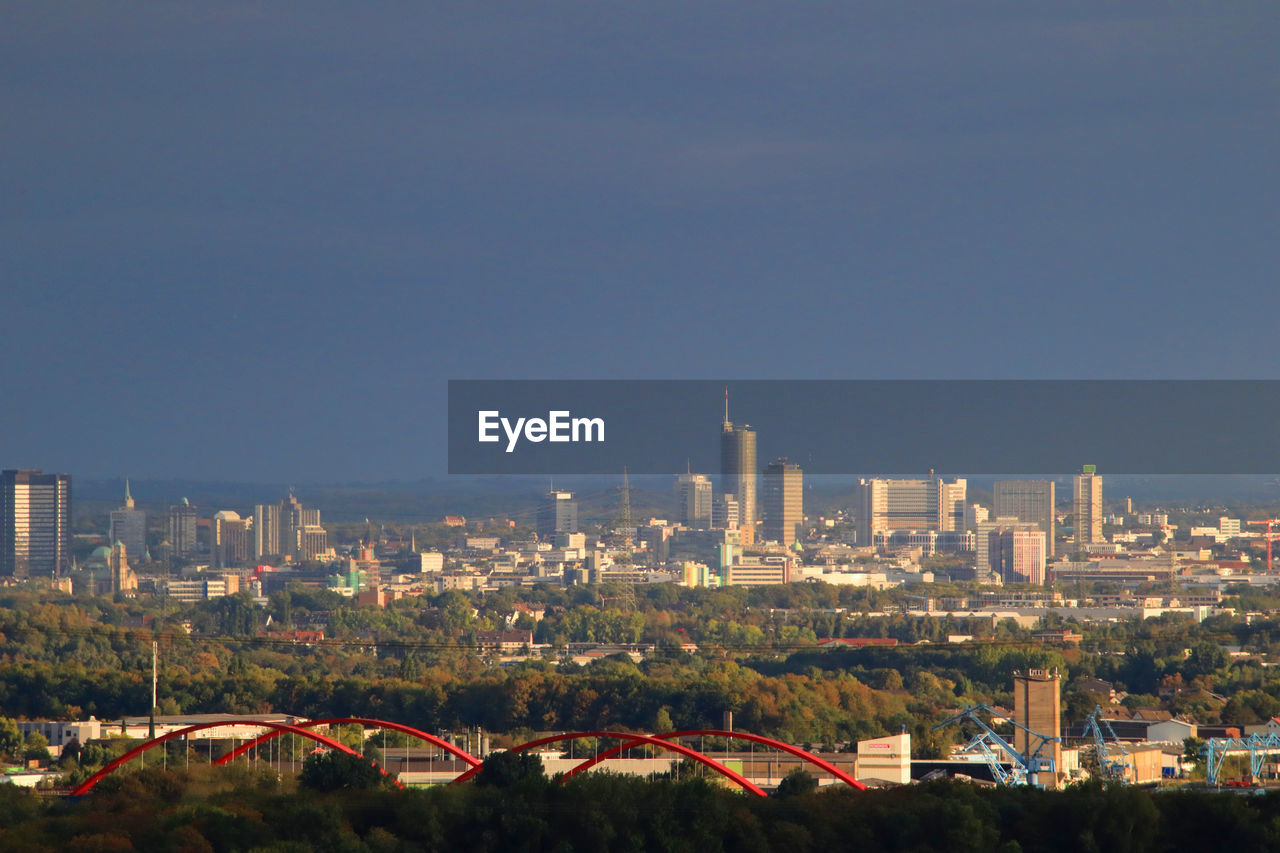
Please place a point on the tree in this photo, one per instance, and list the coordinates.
(796, 783)
(337, 771)
(509, 769)
(10, 738)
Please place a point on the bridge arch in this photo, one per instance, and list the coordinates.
(363, 721)
(634, 740)
(87, 785)
(761, 739)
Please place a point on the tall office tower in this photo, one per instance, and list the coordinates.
(35, 523)
(1037, 705)
(725, 512)
(783, 501)
(291, 522)
(1027, 500)
(558, 513)
(1017, 555)
(266, 531)
(888, 505)
(129, 526)
(738, 470)
(1088, 507)
(229, 539)
(182, 529)
(694, 491)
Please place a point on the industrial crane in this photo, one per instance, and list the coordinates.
(1023, 769)
(1108, 768)
(1271, 537)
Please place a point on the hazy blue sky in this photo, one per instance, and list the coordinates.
(253, 240)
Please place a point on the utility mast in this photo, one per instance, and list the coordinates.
(155, 677)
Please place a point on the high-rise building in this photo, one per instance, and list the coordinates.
(266, 531)
(1037, 705)
(725, 512)
(182, 529)
(694, 491)
(558, 513)
(35, 523)
(1017, 555)
(313, 542)
(738, 471)
(229, 539)
(1028, 500)
(1087, 494)
(783, 502)
(129, 526)
(888, 505)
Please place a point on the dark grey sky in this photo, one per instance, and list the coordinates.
(253, 240)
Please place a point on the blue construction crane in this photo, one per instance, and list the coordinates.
(1108, 768)
(1257, 746)
(1023, 769)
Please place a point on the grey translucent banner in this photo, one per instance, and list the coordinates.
(867, 427)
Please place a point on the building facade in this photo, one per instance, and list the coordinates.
(182, 529)
(738, 473)
(1087, 503)
(783, 502)
(558, 513)
(1028, 500)
(694, 491)
(888, 505)
(35, 523)
(129, 526)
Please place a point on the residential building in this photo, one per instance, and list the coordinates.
(783, 502)
(35, 523)
(266, 531)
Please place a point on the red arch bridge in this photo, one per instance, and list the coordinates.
(667, 741)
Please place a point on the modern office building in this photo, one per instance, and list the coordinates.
(1027, 500)
(129, 526)
(1087, 500)
(887, 505)
(1017, 555)
(694, 491)
(266, 531)
(229, 539)
(558, 513)
(35, 523)
(738, 471)
(725, 512)
(182, 529)
(783, 502)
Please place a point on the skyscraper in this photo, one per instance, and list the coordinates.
(558, 513)
(1017, 555)
(229, 542)
(266, 531)
(1088, 507)
(738, 470)
(182, 529)
(694, 491)
(35, 523)
(783, 502)
(1027, 500)
(129, 527)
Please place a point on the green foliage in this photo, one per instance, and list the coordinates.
(797, 783)
(510, 769)
(340, 771)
